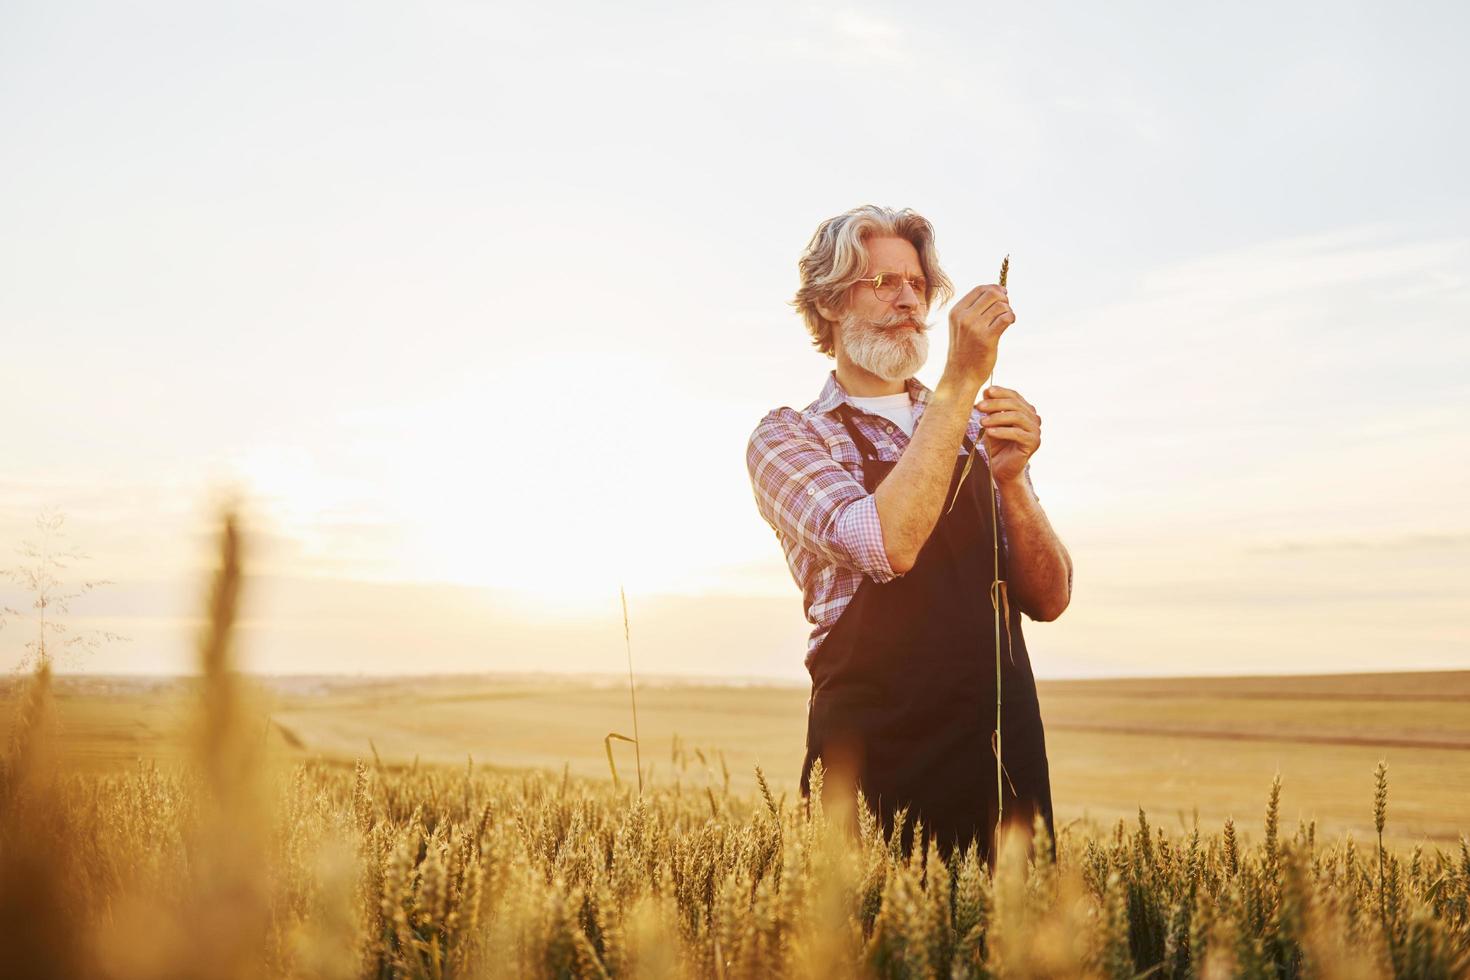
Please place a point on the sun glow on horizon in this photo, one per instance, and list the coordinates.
(512, 488)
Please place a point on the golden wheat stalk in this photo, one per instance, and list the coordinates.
(633, 696)
(999, 597)
(1000, 604)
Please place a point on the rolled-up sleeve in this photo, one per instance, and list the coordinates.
(808, 497)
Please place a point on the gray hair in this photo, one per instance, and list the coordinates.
(835, 257)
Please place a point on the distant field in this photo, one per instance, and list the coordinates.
(1174, 746)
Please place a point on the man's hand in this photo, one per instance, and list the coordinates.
(1011, 430)
(975, 325)
(1040, 568)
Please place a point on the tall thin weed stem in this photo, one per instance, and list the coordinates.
(633, 697)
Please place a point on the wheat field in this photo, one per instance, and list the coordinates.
(241, 833)
(1182, 749)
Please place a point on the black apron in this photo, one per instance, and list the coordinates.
(903, 686)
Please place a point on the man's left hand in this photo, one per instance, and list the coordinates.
(1011, 430)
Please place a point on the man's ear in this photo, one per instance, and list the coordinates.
(830, 315)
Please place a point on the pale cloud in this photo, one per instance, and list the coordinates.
(1423, 541)
(846, 36)
(1361, 256)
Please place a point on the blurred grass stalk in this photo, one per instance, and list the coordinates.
(229, 918)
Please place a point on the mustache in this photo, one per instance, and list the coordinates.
(895, 320)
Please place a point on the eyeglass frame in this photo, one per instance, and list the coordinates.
(875, 280)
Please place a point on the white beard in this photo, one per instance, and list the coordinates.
(883, 347)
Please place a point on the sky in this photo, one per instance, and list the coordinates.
(476, 305)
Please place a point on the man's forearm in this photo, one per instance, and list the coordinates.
(910, 500)
(1040, 569)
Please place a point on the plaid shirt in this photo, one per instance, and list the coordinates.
(807, 474)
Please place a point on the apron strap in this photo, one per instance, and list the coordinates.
(845, 411)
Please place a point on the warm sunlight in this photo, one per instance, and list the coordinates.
(358, 357)
(538, 483)
(519, 363)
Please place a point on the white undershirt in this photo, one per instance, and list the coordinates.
(900, 410)
(897, 408)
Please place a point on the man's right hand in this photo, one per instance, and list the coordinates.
(975, 325)
(911, 498)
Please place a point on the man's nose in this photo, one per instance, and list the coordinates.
(907, 298)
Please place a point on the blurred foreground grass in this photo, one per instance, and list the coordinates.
(248, 847)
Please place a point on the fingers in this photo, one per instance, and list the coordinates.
(975, 295)
(996, 391)
(990, 406)
(1011, 433)
(1011, 417)
(1004, 317)
(999, 397)
(969, 298)
(992, 303)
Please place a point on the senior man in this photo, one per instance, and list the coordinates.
(888, 533)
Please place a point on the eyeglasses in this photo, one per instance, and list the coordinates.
(887, 285)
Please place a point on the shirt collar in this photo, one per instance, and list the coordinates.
(833, 394)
